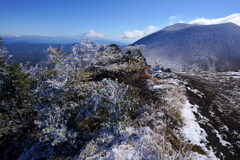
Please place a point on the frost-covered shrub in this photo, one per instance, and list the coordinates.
(70, 114)
(130, 144)
(108, 101)
(70, 106)
(88, 61)
(87, 47)
(75, 65)
(151, 137)
(57, 106)
(54, 111)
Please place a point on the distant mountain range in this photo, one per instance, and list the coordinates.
(33, 49)
(192, 48)
(34, 53)
(55, 39)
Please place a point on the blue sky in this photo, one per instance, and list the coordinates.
(105, 18)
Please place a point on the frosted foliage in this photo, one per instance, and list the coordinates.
(106, 101)
(148, 139)
(83, 58)
(130, 143)
(107, 104)
(86, 47)
(149, 136)
(54, 116)
(3, 52)
(54, 127)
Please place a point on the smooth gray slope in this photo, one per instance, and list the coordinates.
(192, 48)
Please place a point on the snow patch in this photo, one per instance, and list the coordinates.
(195, 91)
(162, 86)
(192, 130)
(223, 142)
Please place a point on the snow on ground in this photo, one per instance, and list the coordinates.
(191, 129)
(235, 75)
(223, 142)
(162, 86)
(144, 142)
(195, 91)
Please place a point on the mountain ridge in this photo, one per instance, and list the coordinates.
(187, 47)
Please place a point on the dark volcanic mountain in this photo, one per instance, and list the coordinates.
(188, 47)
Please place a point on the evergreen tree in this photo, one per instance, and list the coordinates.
(16, 111)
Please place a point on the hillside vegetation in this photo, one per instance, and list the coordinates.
(98, 102)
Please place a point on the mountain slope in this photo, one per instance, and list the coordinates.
(186, 47)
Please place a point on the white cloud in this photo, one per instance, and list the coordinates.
(234, 18)
(132, 34)
(180, 21)
(139, 33)
(174, 19)
(150, 30)
(92, 34)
